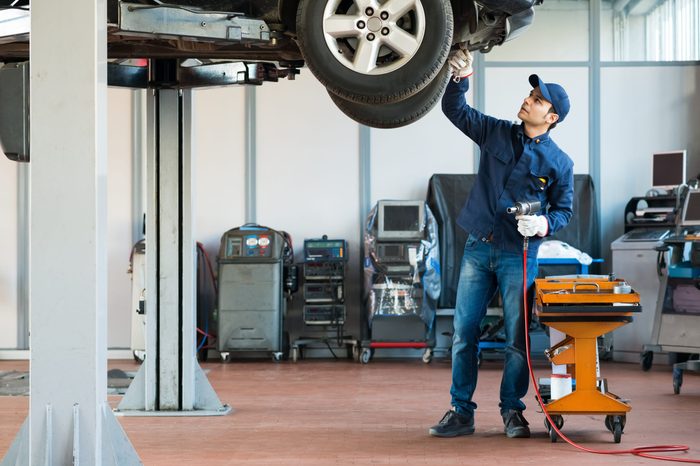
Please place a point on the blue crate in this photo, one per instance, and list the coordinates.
(684, 270)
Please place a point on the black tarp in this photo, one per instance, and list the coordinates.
(446, 196)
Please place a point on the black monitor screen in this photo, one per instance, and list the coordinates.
(392, 250)
(668, 169)
(692, 210)
(401, 218)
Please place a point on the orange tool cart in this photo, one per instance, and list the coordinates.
(584, 309)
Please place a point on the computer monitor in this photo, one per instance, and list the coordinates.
(691, 209)
(668, 169)
(400, 220)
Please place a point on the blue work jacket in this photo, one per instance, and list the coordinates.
(542, 173)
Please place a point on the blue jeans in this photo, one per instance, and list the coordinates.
(484, 270)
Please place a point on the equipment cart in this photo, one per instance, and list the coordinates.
(396, 321)
(324, 308)
(584, 309)
(401, 278)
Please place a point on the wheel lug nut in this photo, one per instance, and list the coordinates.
(370, 36)
(384, 15)
(369, 11)
(385, 31)
(361, 24)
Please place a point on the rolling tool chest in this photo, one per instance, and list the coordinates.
(584, 309)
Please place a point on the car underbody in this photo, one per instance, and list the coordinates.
(367, 53)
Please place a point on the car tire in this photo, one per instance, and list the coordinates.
(396, 114)
(384, 75)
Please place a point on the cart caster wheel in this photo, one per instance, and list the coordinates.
(553, 436)
(611, 419)
(365, 356)
(225, 357)
(139, 356)
(677, 381)
(277, 356)
(558, 420)
(647, 357)
(428, 355)
(617, 432)
(616, 425)
(295, 354)
(356, 353)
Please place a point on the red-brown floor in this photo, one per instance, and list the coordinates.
(338, 412)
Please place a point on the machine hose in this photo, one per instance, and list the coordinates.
(644, 451)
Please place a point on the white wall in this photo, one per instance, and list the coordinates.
(220, 164)
(8, 253)
(403, 159)
(118, 224)
(506, 88)
(643, 110)
(119, 196)
(559, 33)
(308, 175)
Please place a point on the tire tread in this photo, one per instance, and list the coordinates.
(385, 97)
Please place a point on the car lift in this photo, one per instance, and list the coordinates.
(170, 257)
(170, 382)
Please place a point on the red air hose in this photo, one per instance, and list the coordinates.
(645, 451)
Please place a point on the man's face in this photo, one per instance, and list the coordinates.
(535, 110)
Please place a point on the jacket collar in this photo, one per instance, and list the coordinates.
(539, 139)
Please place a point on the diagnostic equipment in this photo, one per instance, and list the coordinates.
(324, 308)
(400, 220)
(251, 303)
(401, 285)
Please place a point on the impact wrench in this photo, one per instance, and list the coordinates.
(528, 208)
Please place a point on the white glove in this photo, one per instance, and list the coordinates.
(461, 64)
(531, 225)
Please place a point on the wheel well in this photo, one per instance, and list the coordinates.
(288, 14)
(465, 19)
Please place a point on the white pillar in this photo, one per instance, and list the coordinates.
(68, 278)
(69, 421)
(170, 381)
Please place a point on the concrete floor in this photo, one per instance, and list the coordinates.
(338, 412)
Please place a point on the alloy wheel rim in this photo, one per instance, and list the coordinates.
(374, 37)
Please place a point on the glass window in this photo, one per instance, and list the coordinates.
(650, 30)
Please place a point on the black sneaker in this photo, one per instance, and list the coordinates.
(515, 425)
(453, 424)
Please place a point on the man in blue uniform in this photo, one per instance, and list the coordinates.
(519, 162)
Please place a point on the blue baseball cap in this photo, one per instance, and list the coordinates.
(555, 94)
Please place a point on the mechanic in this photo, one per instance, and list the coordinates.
(519, 162)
